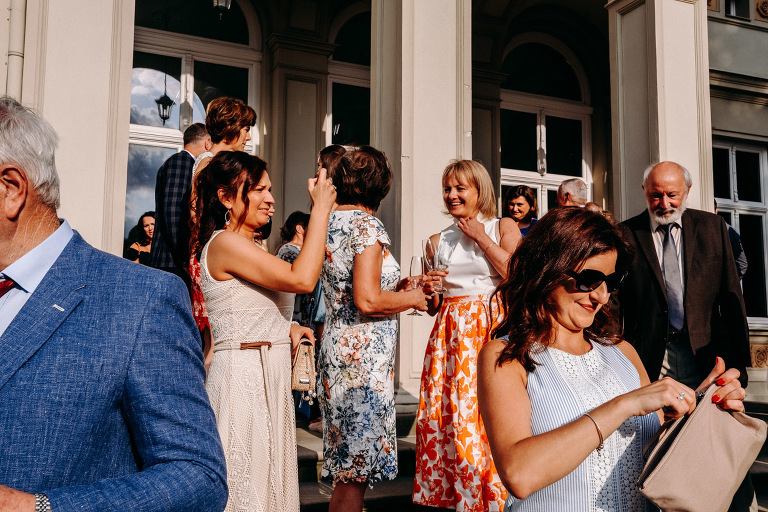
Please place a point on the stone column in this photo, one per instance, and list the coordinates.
(659, 95)
(421, 102)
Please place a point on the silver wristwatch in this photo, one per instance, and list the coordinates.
(41, 503)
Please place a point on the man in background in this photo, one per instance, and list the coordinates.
(170, 243)
(572, 192)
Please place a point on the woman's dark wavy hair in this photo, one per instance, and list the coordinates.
(225, 117)
(288, 231)
(561, 240)
(526, 193)
(226, 171)
(330, 156)
(363, 177)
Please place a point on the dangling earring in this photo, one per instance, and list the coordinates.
(226, 218)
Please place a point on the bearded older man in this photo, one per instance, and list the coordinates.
(681, 303)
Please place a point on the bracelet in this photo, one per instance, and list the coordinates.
(599, 432)
(489, 246)
(41, 503)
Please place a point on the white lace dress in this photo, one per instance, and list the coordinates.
(250, 392)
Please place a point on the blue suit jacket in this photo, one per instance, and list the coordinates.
(171, 239)
(102, 398)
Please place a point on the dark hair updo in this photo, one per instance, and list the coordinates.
(362, 177)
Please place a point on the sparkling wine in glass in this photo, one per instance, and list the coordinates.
(417, 269)
(432, 262)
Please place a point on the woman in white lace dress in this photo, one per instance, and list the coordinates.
(567, 406)
(249, 296)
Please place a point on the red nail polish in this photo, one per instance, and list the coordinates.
(720, 382)
(715, 398)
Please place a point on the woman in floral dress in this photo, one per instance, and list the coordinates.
(357, 354)
(454, 468)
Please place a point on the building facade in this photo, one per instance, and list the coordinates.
(537, 90)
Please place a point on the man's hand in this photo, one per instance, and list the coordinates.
(12, 500)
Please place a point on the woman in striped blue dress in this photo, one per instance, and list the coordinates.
(567, 406)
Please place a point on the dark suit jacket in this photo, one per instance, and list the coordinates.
(714, 307)
(102, 398)
(170, 243)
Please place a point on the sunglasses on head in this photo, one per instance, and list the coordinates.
(588, 279)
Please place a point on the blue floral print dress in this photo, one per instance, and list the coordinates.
(356, 360)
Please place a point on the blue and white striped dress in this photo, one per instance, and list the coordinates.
(561, 389)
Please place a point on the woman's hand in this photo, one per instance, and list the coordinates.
(322, 191)
(432, 281)
(473, 228)
(673, 398)
(417, 298)
(298, 332)
(408, 283)
(729, 394)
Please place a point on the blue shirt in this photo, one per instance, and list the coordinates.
(29, 270)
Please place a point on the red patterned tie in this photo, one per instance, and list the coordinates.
(5, 285)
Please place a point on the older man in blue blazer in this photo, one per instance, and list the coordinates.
(102, 402)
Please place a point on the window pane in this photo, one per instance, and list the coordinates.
(518, 140)
(354, 41)
(214, 80)
(563, 146)
(552, 199)
(143, 163)
(197, 18)
(738, 8)
(721, 171)
(753, 284)
(540, 69)
(726, 217)
(148, 82)
(351, 111)
(748, 176)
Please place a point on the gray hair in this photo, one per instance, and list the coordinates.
(29, 142)
(686, 174)
(575, 187)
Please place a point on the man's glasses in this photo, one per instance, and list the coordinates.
(588, 279)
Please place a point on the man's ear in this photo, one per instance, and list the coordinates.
(14, 188)
(207, 144)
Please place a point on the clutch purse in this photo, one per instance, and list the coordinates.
(303, 371)
(703, 458)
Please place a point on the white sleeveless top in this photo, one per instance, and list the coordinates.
(469, 272)
(562, 388)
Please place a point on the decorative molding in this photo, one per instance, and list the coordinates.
(713, 5)
(759, 354)
(761, 10)
(285, 42)
(717, 18)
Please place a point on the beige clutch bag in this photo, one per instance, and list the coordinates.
(702, 458)
(303, 374)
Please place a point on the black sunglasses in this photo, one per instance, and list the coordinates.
(588, 279)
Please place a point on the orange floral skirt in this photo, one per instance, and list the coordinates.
(454, 468)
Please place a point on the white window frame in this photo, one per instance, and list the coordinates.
(544, 106)
(735, 206)
(191, 49)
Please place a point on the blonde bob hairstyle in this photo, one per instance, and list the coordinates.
(474, 174)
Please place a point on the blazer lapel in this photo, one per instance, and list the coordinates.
(690, 227)
(648, 249)
(58, 294)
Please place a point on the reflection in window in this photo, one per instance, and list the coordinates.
(148, 82)
(564, 146)
(518, 140)
(721, 165)
(215, 80)
(351, 114)
(143, 163)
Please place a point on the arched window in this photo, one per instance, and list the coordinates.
(545, 118)
(349, 80)
(185, 51)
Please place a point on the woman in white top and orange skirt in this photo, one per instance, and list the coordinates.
(454, 468)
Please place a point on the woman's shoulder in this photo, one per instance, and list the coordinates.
(488, 361)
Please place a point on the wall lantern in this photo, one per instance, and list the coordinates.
(165, 104)
(222, 6)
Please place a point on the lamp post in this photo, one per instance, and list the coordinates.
(222, 6)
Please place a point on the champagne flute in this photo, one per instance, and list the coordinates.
(417, 269)
(431, 261)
